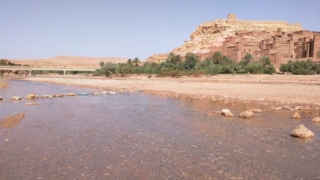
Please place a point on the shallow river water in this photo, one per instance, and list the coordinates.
(138, 136)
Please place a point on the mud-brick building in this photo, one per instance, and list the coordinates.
(279, 46)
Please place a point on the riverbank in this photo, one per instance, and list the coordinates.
(267, 91)
(3, 84)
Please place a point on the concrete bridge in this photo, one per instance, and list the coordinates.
(31, 68)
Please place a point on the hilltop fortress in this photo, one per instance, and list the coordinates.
(278, 40)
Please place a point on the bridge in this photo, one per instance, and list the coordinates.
(31, 68)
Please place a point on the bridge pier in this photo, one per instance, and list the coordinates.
(64, 72)
(29, 73)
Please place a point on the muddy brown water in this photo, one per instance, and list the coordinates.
(138, 136)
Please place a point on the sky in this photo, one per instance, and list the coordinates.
(32, 29)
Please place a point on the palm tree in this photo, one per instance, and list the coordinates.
(247, 58)
(265, 60)
(318, 54)
(129, 61)
(101, 64)
(217, 57)
(136, 61)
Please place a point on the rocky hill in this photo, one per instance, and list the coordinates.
(210, 36)
(68, 61)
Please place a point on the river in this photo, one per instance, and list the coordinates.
(138, 136)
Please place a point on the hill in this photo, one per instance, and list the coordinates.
(278, 40)
(68, 61)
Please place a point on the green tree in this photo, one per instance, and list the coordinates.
(265, 61)
(247, 58)
(136, 61)
(129, 61)
(190, 62)
(173, 58)
(217, 57)
(101, 64)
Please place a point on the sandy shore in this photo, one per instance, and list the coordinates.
(264, 90)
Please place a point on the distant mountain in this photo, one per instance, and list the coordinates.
(68, 61)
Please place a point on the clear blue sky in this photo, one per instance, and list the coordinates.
(127, 28)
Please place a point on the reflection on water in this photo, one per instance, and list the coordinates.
(136, 136)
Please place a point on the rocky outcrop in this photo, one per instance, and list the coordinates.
(226, 112)
(296, 116)
(246, 114)
(302, 132)
(316, 119)
(210, 36)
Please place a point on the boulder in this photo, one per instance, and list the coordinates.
(16, 98)
(316, 119)
(246, 114)
(32, 96)
(302, 132)
(95, 93)
(226, 112)
(104, 92)
(46, 96)
(57, 95)
(70, 94)
(296, 116)
(1, 98)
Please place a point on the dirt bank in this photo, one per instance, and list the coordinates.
(265, 90)
(3, 84)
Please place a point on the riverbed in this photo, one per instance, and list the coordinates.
(139, 136)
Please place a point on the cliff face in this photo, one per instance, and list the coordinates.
(210, 36)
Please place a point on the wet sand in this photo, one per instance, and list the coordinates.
(138, 136)
(265, 90)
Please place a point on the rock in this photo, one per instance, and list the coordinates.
(302, 132)
(112, 92)
(316, 119)
(95, 93)
(104, 92)
(57, 95)
(32, 96)
(246, 114)
(16, 98)
(296, 116)
(257, 110)
(46, 96)
(226, 112)
(287, 108)
(70, 94)
(1, 98)
(277, 108)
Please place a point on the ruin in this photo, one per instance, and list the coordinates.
(278, 40)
